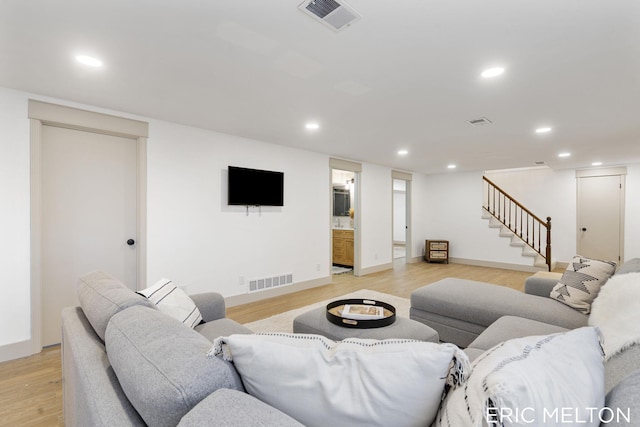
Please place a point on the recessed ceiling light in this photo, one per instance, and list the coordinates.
(564, 154)
(89, 60)
(403, 152)
(312, 126)
(492, 72)
(543, 130)
(452, 166)
(596, 164)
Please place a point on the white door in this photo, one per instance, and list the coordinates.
(600, 207)
(89, 211)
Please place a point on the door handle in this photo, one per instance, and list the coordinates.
(131, 242)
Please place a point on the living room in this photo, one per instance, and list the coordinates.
(194, 238)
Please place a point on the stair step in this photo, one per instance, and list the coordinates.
(505, 232)
(516, 241)
(540, 262)
(494, 223)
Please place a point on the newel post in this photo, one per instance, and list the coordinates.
(549, 242)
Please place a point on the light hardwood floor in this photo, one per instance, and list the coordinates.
(31, 388)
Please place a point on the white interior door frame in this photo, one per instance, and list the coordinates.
(42, 113)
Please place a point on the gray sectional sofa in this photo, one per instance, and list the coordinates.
(125, 363)
(477, 316)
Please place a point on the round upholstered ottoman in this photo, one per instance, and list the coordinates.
(315, 322)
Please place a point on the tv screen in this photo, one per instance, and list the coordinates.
(254, 187)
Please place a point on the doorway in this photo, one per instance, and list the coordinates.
(345, 217)
(88, 207)
(343, 221)
(401, 217)
(600, 211)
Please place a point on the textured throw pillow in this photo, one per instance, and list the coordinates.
(539, 380)
(581, 282)
(173, 301)
(616, 312)
(354, 382)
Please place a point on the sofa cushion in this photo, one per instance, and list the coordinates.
(162, 364)
(229, 408)
(479, 303)
(173, 301)
(530, 379)
(509, 327)
(623, 403)
(581, 282)
(354, 382)
(101, 296)
(620, 365)
(220, 328)
(629, 266)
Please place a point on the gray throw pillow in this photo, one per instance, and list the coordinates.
(581, 282)
(101, 296)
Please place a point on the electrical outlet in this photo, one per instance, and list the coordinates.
(241, 280)
(318, 267)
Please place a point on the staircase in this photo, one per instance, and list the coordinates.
(517, 223)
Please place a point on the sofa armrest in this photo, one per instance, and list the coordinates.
(235, 408)
(211, 305)
(539, 285)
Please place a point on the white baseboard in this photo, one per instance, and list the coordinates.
(16, 350)
(275, 292)
(376, 269)
(502, 265)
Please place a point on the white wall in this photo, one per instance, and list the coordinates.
(420, 203)
(376, 200)
(14, 219)
(632, 213)
(454, 213)
(194, 237)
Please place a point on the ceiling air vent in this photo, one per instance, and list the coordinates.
(336, 15)
(482, 121)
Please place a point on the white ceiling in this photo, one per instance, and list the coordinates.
(406, 75)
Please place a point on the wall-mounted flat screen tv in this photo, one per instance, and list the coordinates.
(254, 187)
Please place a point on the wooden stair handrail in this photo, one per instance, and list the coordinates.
(504, 193)
(520, 209)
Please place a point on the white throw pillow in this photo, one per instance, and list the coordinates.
(581, 282)
(616, 312)
(554, 380)
(173, 301)
(354, 382)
